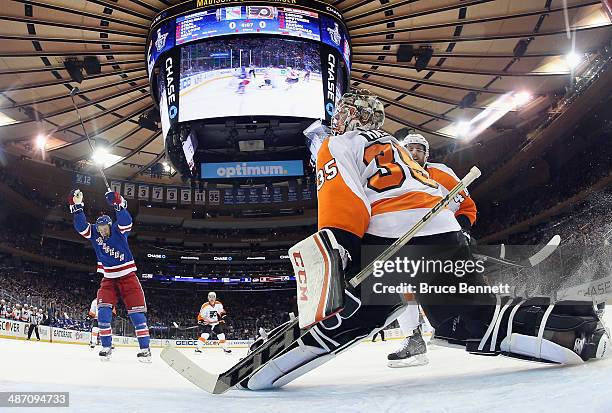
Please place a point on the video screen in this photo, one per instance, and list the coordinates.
(250, 77)
(247, 19)
(334, 35)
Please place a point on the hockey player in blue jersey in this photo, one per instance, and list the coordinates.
(116, 264)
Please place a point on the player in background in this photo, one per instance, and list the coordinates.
(25, 313)
(412, 351)
(95, 330)
(267, 81)
(116, 264)
(5, 309)
(210, 318)
(243, 81)
(16, 312)
(292, 78)
(306, 77)
(371, 192)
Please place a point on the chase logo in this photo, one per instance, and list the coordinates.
(329, 108)
(172, 111)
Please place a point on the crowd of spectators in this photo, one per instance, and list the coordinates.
(66, 299)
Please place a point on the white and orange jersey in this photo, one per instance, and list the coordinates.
(462, 204)
(211, 314)
(368, 183)
(93, 309)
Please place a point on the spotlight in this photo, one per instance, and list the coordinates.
(573, 59)
(166, 166)
(41, 142)
(521, 98)
(521, 48)
(146, 122)
(75, 69)
(100, 156)
(468, 100)
(462, 129)
(405, 53)
(92, 65)
(424, 55)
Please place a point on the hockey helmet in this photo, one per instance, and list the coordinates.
(412, 137)
(357, 109)
(104, 220)
(212, 296)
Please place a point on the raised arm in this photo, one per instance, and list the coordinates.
(124, 219)
(75, 201)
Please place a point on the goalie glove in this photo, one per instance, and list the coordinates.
(115, 200)
(75, 201)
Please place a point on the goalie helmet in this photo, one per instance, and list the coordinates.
(212, 296)
(358, 109)
(415, 138)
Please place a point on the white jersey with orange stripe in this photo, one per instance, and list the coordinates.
(368, 183)
(462, 204)
(211, 314)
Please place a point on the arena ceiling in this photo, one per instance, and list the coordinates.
(473, 68)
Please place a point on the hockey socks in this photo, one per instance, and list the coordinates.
(139, 320)
(105, 317)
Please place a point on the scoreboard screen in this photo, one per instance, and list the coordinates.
(248, 19)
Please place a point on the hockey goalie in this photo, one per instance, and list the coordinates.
(371, 192)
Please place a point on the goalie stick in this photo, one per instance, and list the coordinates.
(278, 342)
(532, 261)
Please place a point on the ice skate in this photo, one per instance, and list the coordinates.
(105, 353)
(144, 356)
(411, 353)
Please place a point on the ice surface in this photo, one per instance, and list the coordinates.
(218, 98)
(356, 381)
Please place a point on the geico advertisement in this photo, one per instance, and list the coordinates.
(209, 343)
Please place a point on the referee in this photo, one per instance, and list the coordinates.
(36, 318)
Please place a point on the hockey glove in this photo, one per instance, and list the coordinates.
(75, 201)
(115, 200)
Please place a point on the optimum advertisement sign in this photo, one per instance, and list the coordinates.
(264, 169)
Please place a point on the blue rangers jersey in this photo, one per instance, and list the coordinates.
(114, 256)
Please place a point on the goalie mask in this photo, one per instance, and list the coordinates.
(358, 109)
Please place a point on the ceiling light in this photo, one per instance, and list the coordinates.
(167, 167)
(573, 59)
(462, 129)
(41, 141)
(521, 98)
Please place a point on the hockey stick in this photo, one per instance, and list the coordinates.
(532, 261)
(278, 342)
(177, 326)
(75, 90)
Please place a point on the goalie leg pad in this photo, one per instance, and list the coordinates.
(318, 263)
(533, 329)
(323, 342)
